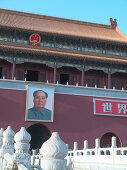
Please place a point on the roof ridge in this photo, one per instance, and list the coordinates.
(54, 18)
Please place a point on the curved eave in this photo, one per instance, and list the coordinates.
(64, 53)
(71, 36)
(121, 34)
(122, 42)
(60, 27)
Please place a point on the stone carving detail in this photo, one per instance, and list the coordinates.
(1, 137)
(69, 165)
(22, 146)
(8, 140)
(53, 152)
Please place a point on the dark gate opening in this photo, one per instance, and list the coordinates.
(107, 138)
(64, 78)
(39, 134)
(31, 75)
(0, 72)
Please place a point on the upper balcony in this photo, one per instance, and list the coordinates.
(66, 89)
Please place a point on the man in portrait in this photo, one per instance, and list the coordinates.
(38, 111)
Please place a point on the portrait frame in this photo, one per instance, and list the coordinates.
(31, 113)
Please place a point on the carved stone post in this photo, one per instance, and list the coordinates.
(97, 143)
(113, 146)
(85, 147)
(75, 146)
(85, 144)
(1, 143)
(8, 141)
(22, 146)
(53, 152)
(7, 146)
(114, 142)
(1, 137)
(97, 146)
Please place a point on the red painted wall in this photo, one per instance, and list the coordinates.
(73, 117)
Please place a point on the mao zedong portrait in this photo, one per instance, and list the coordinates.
(38, 111)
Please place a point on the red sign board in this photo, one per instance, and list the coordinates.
(35, 39)
(110, 107)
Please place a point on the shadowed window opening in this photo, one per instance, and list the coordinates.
(64, 78)
(0, 72)
(31, 75)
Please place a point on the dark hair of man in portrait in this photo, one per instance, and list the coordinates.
(34, 93)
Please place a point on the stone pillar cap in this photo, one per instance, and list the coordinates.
(54, 148)
(22, 136)
(9, 132)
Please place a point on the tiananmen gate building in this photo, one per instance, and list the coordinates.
(84, 63)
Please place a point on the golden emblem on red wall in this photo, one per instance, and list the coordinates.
(35, 39)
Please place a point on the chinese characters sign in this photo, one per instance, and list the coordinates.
(110, 107)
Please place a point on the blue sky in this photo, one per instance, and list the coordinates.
(97, 11)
